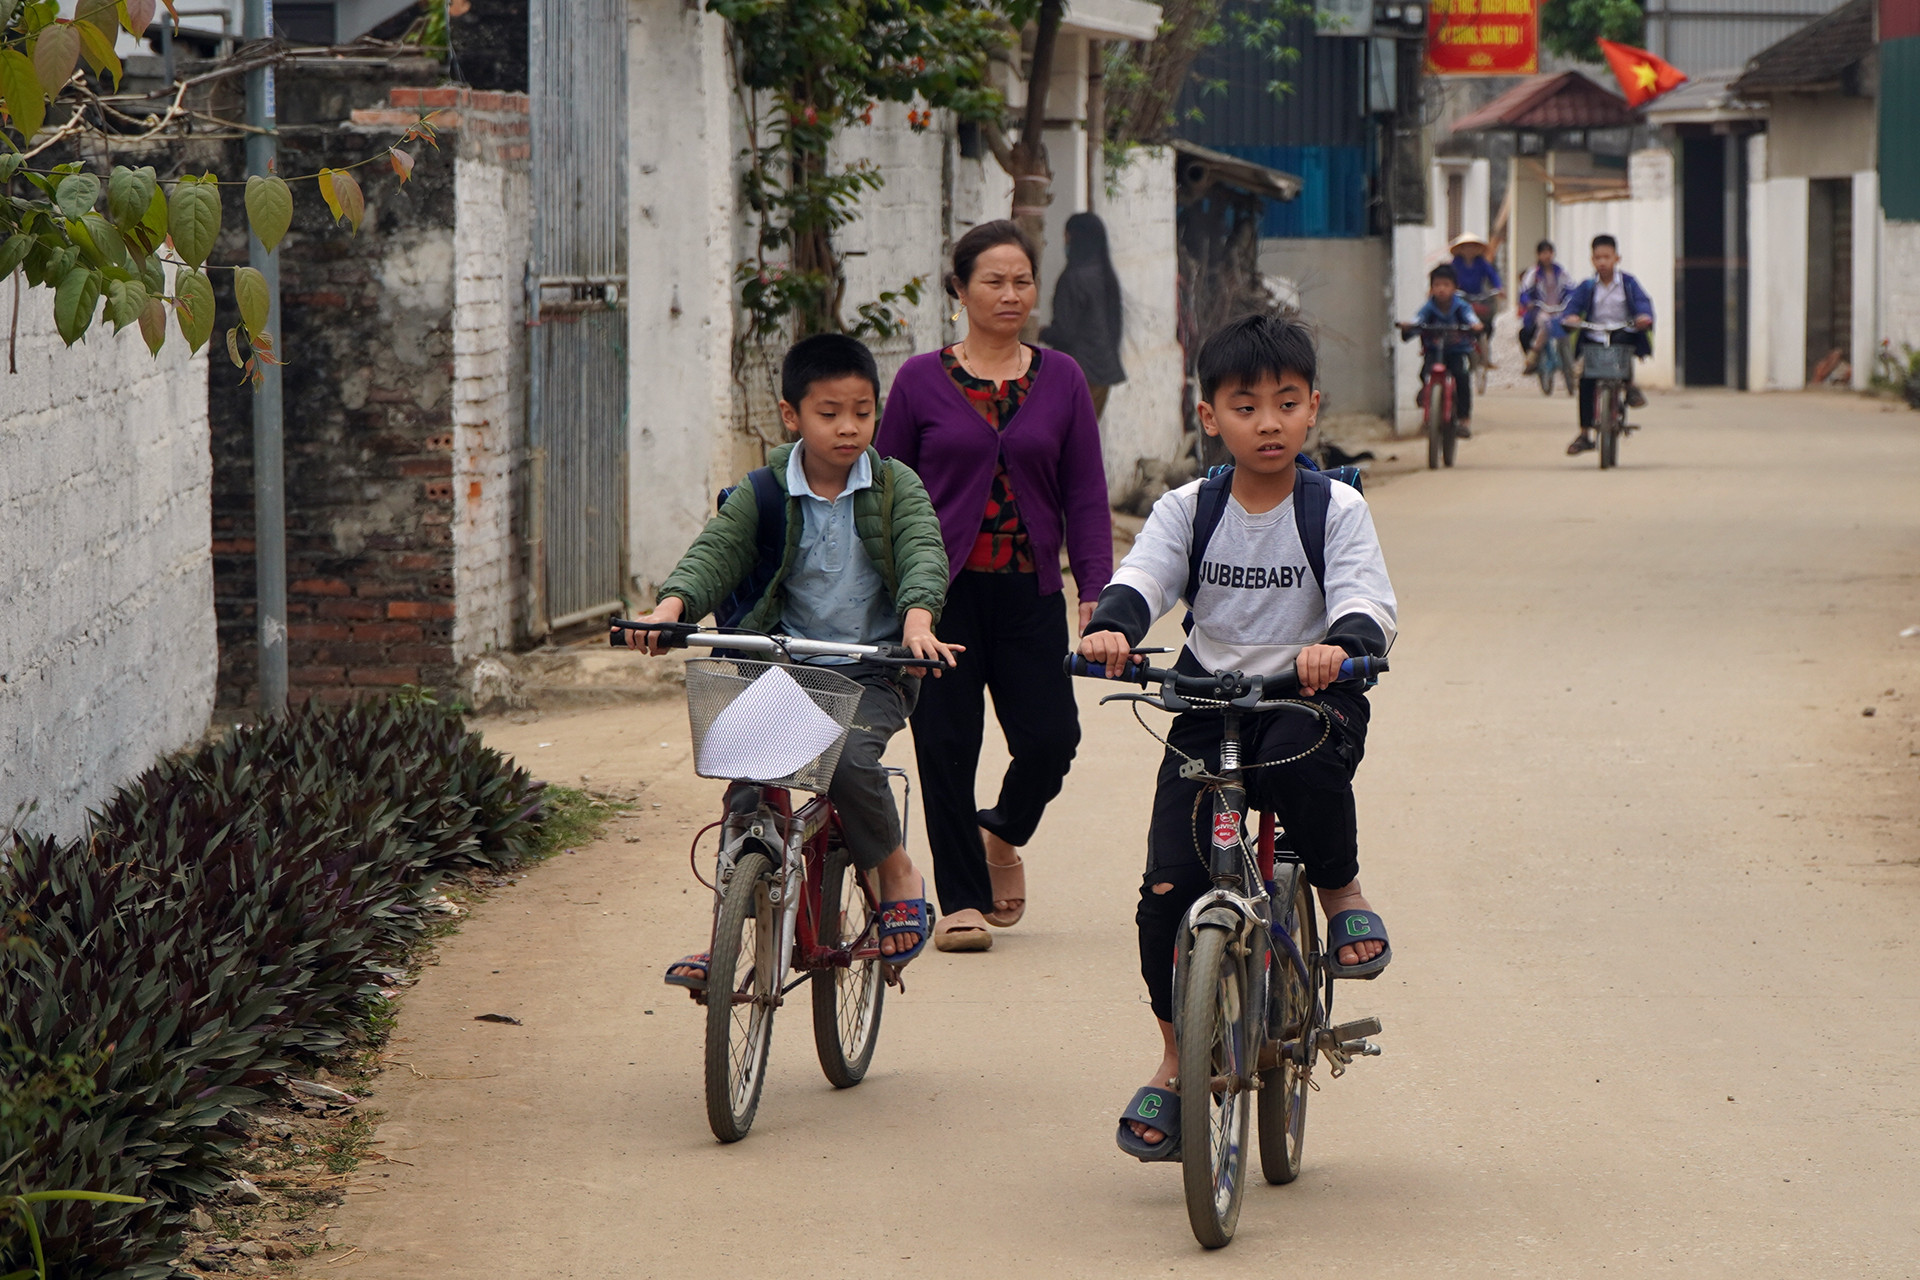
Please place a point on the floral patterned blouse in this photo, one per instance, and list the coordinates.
(1002, 545)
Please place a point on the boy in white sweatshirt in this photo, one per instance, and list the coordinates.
(1262, 607)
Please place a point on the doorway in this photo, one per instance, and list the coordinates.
(1829, 276)
(1711, 289)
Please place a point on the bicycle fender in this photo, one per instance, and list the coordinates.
(1220, 918)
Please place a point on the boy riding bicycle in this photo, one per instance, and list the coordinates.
(1257, 609)
(1445, 306)
(1610, 297)
(861, 562)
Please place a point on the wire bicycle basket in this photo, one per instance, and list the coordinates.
(1606, 360)
(773, 723)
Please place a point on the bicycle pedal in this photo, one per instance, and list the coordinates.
(1359, 1029)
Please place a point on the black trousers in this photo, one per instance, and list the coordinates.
(1312, 797)
(1460, 365)
(1015, 639)
(1589, 392)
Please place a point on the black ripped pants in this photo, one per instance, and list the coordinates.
(1015, 639)
(1312, 798)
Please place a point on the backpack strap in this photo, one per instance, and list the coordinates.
(1312, 498)
(770, 531)
(1209, 504)
(890, 571)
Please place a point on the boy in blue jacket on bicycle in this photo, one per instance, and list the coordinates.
(1259, 606)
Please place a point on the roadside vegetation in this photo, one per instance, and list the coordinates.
(192, 992)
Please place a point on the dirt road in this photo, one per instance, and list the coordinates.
(1649, 869)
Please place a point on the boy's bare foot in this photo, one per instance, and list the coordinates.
(900, 881)
(1162, 1078)
(1349, 898)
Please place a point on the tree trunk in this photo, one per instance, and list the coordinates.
(1032, 174)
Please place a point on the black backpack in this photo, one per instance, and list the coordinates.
(769, 542)
(1312, 497)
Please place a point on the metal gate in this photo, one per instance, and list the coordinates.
(576, 305)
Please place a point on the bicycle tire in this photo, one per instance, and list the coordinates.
(1283, 1090)
(847, 1003)
(739, 1034)
(1566, 368)
(1548, 366)
(1436, 416)
(1606, 413)
(1449, 442)
(1214, 1126)
(1480, 376)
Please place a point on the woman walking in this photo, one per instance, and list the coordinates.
(1006, 439)
(1087, 308)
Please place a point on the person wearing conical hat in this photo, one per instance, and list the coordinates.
(1480, 283)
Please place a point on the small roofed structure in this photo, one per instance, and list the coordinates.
(1562, 102)
(1825, 56)
(1202, 169)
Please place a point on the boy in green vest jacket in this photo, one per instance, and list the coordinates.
(863, 563)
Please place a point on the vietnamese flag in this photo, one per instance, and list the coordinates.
(1641, 75)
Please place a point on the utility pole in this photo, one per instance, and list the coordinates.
(269, 465)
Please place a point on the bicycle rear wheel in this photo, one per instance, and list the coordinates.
(1548, 365)
(1283, 1090)
(743, 980)
(846, 1002)
(1215, 1106)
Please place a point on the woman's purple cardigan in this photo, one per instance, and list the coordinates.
(1052, 447)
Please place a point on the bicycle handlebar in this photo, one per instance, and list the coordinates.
(1231, 687)
(678, 635)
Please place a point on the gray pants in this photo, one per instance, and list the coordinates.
(860, 791)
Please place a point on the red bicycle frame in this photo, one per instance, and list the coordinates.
(819, 826)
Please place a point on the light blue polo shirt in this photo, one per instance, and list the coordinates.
(833, 591)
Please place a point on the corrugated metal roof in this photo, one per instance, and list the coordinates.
(1705, 99)
(1820, 57)
(1720, 35)
(1201, 166)
(1564, 100)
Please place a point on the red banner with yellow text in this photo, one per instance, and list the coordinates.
(1484, 38)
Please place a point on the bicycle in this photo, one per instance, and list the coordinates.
(1610, 364)
(1437, 392)
(787, 895)
(1554, 349)
(1249, 1011)
(1484, 306)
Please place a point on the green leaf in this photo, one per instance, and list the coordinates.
(193, 219)
(255, 299)
(76, 194)
(13, 252)
(106, 240)
(130, 194)
(233, 348)
(96, 46)
(75, 299)
(269, 209)
(154, 276)
(41, 1197)
(26, 101)
(10, 164)
(193, 307)
(153, 324)
(55, 54)
(126, 299)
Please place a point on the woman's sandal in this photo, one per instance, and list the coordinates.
(952, 934)
(692, 982)
(1157, 1108)
(1009, 885)
(1349, 927)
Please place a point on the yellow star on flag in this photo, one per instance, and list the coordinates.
(1646, 76)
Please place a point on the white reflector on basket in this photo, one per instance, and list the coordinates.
(771, 730)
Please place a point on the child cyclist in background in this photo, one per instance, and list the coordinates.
(1257, 610)
(840, 578)
(1444, 305)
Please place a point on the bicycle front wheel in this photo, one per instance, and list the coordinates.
(1283, 1090)
(1215, 1104)
(743, 982)
(847, 1002)
(1608, 413)
(1437, 410)
(1547, 366)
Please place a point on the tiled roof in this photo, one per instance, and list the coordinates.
(1565, 100)
(1819, 57)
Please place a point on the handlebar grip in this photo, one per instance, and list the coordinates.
(673, 633)
(1076, 665)
(1364, 667)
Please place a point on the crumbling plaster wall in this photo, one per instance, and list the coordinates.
(107, 651)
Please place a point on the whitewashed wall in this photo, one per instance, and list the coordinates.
(107, 651)
(1866, 276)
(1760, 284)
(1142, 421)
(493, 210)
(1899, 283)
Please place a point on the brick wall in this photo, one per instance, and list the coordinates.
(107, 641)
(372, 425)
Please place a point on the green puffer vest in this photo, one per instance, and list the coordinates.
(895, 521)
